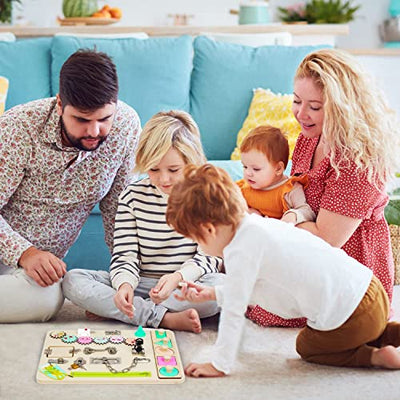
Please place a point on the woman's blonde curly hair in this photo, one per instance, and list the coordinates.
(358, 123)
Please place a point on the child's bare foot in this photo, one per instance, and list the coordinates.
(187, 320)
(94, 317)
(386, 357)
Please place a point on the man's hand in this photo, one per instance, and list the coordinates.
(123, 299)
(196, 293)
(42, 266)
(203, 370)
(165, 286)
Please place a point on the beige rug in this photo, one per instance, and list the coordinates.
(268, 368)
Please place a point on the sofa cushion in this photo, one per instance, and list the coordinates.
(26, 64)
(223, 78)
(268, 108)
(154, 74)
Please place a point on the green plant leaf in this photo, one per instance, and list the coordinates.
(392, 210)
(329, 11)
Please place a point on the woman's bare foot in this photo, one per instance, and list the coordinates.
(386, 357)
(94, 317)
(187, 320)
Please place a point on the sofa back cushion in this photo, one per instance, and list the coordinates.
(154, 74)
(223, 78)
(26, 64)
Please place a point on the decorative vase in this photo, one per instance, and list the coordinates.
(255, 12)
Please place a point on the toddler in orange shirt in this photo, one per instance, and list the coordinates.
(267, 191)
(270, 193)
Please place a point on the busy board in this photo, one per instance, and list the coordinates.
(142, 356)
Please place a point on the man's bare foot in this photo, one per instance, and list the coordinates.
(187, 320)
(94, 317)
(386, 357)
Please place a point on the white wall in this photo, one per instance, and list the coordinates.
(363, 31)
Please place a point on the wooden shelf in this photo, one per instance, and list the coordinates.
(294, 29)
(375, 52)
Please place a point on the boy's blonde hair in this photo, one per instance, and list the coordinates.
(358, 123)
(164, 130)
(207, 194)
(269, 141)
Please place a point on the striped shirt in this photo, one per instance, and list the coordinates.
(145, 245)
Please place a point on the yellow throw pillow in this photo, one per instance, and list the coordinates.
(3, 93)
(268, 108)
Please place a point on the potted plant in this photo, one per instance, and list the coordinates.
(319, 12)
(6, 10)
(392, 215)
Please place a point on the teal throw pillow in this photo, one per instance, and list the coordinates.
(26, 64)
(154, 73)
(223, 78)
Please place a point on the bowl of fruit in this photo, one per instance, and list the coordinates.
(87, 12)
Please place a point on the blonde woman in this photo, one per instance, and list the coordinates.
(149, 258)
(348, 146)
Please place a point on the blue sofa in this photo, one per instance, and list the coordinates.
(211, 80)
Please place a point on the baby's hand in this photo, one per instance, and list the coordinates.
(165, 286)
(123, 299)
(203, 370)
(195, 293)
(290, 217)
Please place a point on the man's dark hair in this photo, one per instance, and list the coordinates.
(88, 80)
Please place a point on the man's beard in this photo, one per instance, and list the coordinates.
(77, 143)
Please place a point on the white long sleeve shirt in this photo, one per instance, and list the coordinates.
(289, 272)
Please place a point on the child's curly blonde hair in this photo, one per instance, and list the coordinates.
(207, 194)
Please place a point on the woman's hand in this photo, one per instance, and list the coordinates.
(195, 293)
(203, 370)
(123, 299)
(165, 286)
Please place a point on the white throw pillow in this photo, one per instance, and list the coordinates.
(253, 39)
(7, 37)
(135, 35)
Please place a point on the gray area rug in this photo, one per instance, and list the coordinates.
(268, 367)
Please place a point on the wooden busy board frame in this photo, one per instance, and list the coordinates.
(142, 356)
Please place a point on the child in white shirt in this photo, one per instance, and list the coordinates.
(286, 270)
(270, 193)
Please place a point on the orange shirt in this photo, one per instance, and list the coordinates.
(270, 202)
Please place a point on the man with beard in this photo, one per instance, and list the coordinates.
(58, 158)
